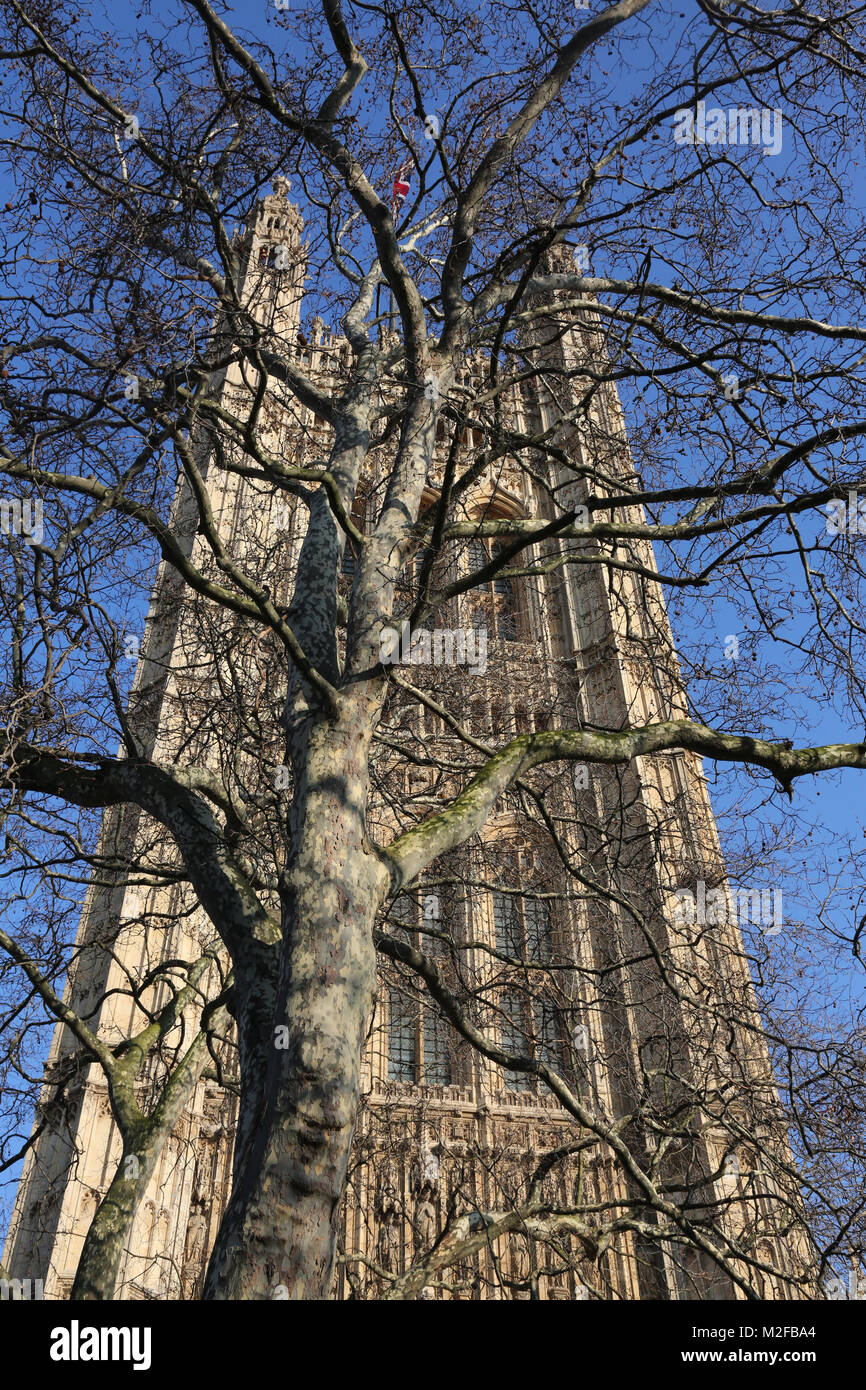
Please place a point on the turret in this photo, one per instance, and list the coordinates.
(274, 261)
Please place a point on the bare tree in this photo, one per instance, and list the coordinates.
(464, 183)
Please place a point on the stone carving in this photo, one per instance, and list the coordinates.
(426, 1167)
(430, 1164)
(196, 1235)
(388, 1239)
(425, 1220)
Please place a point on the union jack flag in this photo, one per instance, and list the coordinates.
(400, 191)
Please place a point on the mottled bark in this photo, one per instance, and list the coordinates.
(111, 1228)
(278, 1236)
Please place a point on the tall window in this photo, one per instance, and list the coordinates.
(437, 1048)
(421, 1043)
(523, 926)
(530, 1032)
(402, 1037)
(507, 924)
(514, 1037)
(539, 931)
(494, 603)
(437, 569)
(547, 1035)
(531, 1019)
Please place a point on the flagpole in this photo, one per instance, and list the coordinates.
(399, 192)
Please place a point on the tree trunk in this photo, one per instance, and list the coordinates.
(278, 1236)
(111, 1227)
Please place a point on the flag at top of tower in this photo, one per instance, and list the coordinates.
(401, 186)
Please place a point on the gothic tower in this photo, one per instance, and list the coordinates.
(442, 1131)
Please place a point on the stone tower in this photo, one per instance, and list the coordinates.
(443, 1131)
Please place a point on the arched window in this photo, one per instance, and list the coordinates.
(274, 257)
